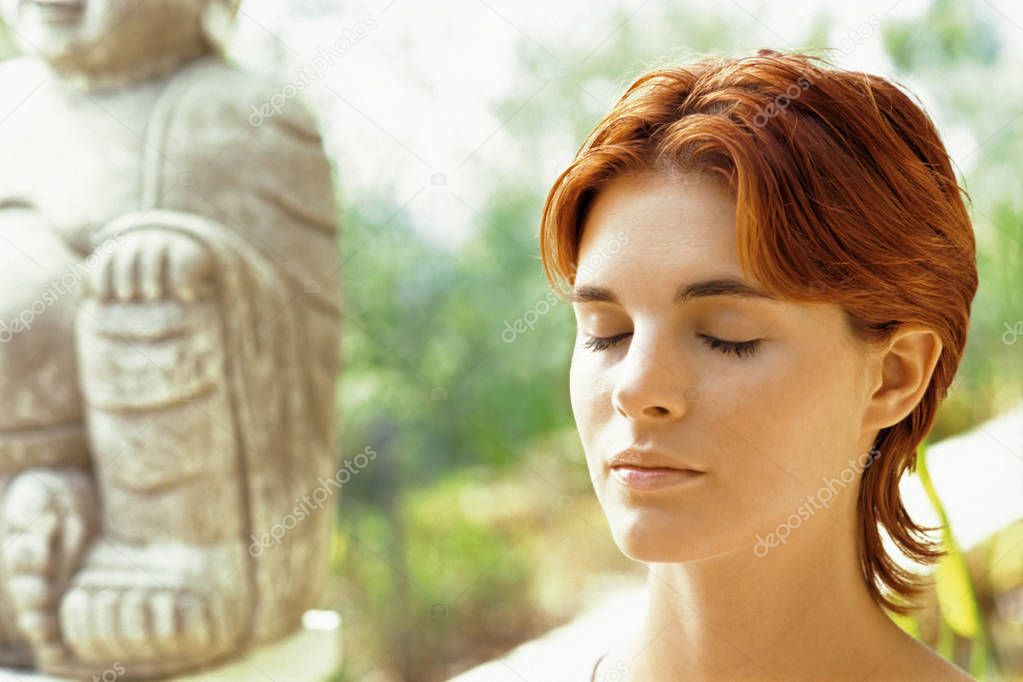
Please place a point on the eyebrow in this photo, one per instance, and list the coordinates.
(712, 287)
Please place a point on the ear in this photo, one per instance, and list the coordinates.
(901, 373)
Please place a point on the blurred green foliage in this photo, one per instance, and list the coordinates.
(955, 590)
(459, 541)
(953, 50)
(6, 41)
(423, 319)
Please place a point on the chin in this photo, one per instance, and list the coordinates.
(655, 536)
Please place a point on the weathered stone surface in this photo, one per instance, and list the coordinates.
(310, 654)
(169, 339)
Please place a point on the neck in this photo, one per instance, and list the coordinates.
(800, 612)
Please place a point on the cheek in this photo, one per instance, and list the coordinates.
(590, 395)
(582, 389)
(793, 416)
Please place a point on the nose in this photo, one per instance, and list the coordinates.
(649, 386)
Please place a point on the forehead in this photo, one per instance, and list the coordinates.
(653, 222)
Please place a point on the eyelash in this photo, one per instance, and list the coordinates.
(737, 348)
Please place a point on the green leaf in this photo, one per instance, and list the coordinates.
(952, 582)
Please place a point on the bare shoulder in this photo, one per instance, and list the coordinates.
(914, 660)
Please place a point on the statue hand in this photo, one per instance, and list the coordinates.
(153, 264)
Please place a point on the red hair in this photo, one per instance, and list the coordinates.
(844, 193)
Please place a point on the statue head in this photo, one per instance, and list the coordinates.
(113, 40)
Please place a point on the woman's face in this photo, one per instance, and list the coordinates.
(770, 425)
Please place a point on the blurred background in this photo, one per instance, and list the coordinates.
(476, 528)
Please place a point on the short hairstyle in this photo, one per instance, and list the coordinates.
(844, 193)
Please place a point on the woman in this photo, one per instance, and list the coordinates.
(771, 268)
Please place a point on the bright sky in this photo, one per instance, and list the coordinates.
(412, 95)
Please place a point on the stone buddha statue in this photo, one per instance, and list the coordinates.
(169, 343)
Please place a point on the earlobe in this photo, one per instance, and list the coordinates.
(903, 373)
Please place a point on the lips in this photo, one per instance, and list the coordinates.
(650, 459)
(651, 469)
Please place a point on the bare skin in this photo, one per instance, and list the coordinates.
(766, 427)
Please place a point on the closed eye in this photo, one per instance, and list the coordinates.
(597, 343)
(737, 348)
